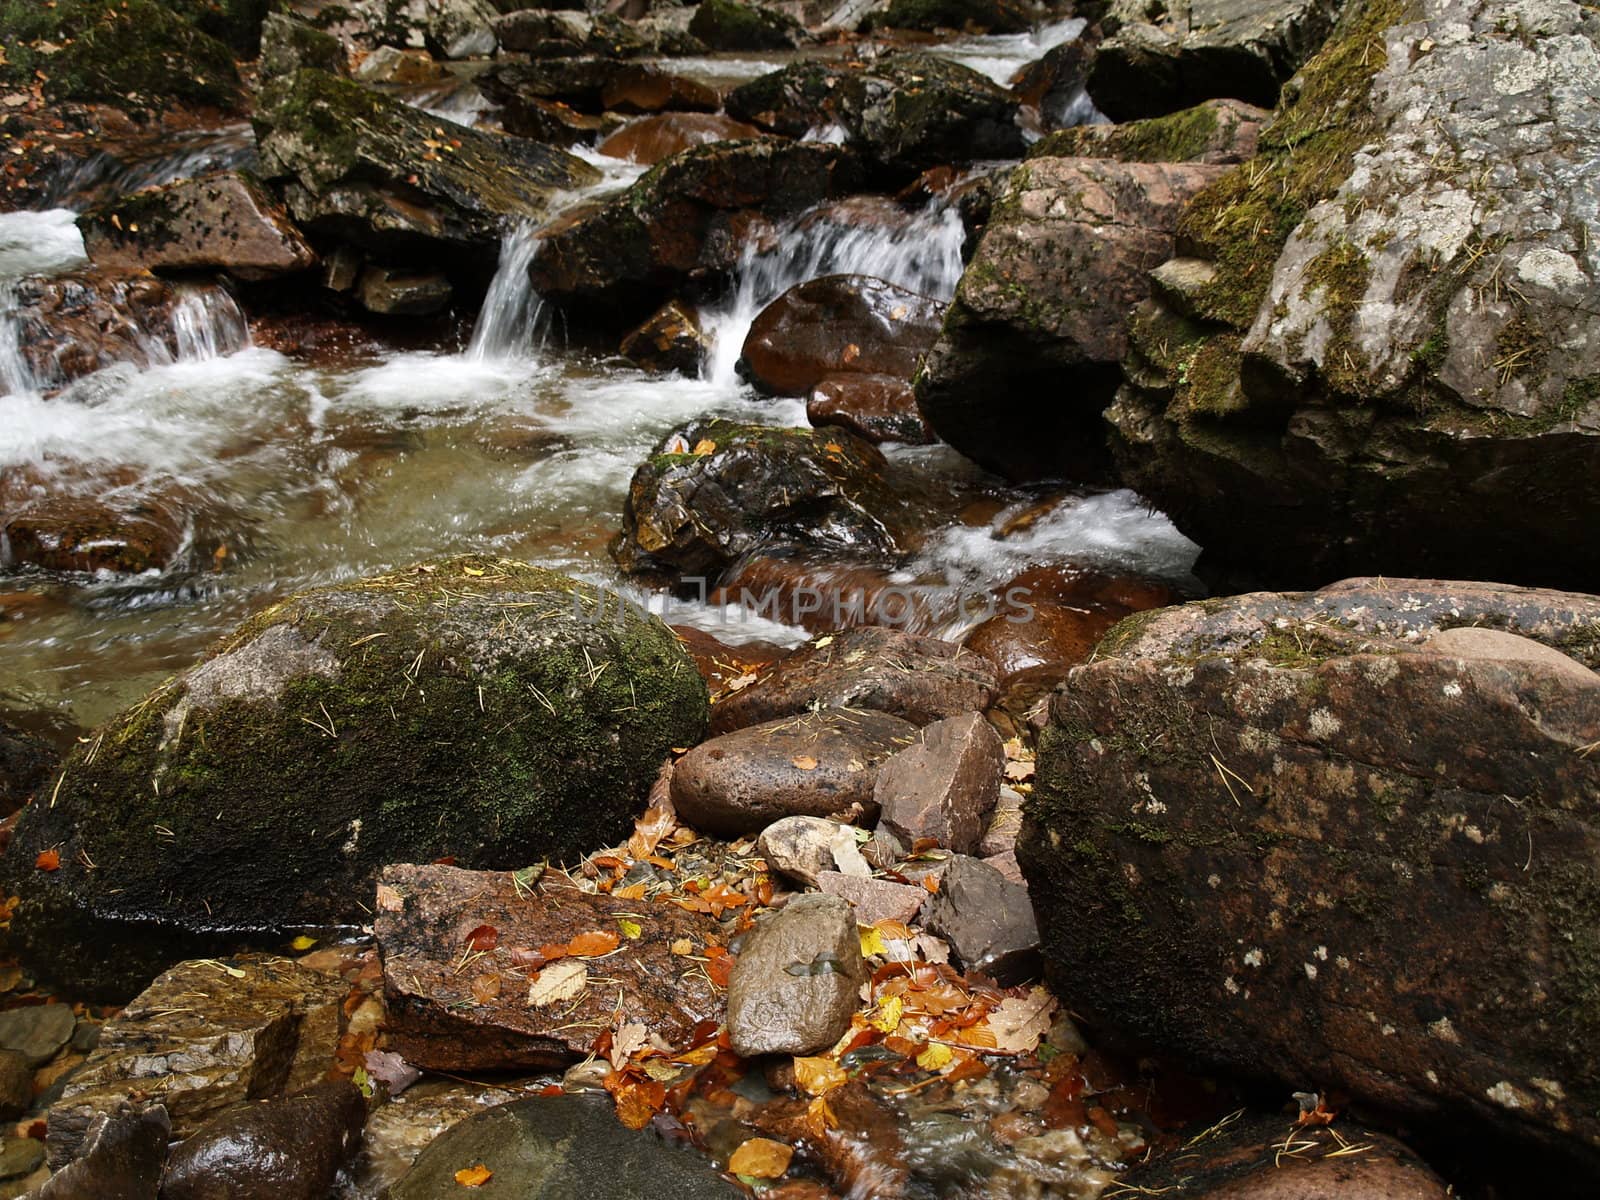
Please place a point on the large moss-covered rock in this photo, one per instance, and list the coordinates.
(1344, 839)
(1217, 132)
(907, 112)
(995, 16)
(1390, 360)
(360, 166)
(731, 25)
(477, 708)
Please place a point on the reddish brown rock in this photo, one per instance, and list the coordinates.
(125, 532)
(722, 662)
(637, 88)
(1348, 859)
(879, 408)
(873, 899)
(825, 596)
(1040, 641)
(820, 764)
(671, 340)
(225, 222)
(452, 1008)
(921, 679)
(651, 139)
(838, 325)
(943, 785)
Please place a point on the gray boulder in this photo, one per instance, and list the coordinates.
(793, 987)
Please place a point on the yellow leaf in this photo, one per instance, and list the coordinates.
(935, 1057)
(705, 446)
(698, 1057)
(630, 929)
(820, 1118)
(819, 1076)
(889, 1013)
(872, 943)
(473, 571)
(761, 1158)
(474, 1176)
(303, 942)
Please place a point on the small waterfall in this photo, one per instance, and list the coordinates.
(115, 170)
(207, 323)
(922, 254)
(510, 318)
(16, 376)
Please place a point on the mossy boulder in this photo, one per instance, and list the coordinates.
(1221, 132)
(1343, 840)
(478, 709)
(358, 166)
(730, 25)
(992, 16)
(138, 54)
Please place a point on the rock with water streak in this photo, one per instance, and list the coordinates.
(400, 1130)
(793, 987)
(861, 1153)
(987, 919)
(1202, 49)
(1039, 321)
(267, 1026)
(534, 709)
(368, 169)
(715, 491)
(1218, 132)
(905, 113)
(732, 25)
(290, 1148)
(820, 764)
(878, 408)
(920, 679)
(1347, 841)
(943, 785)
(225, 222)
(671, 340)
(125, 533)
(562, 1148)
(689, 217)
(496, 1014)
(651, 139)
(1355, 353)
(1053, 85)
(838, 325)
(121, 1158)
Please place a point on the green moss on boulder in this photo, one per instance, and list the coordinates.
(729, 25)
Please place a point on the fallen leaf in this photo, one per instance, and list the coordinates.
(590, 945)
(719, 965)
(676, 444)
(484, 937)
(475, 572)
(761, 1158)
(389, 1069)
(820, 1118)
(890, 1010)
(638, 1099)
(935, 1057)
(48, 860)
(846, 855)
(705, 446)
(851, 352)
(931, 883)
(683, 947)
(819, 1076)
(485, 987)
(1020, 1022)
(559, 981)
(628, 1040)
(872, 943)
(630, 929)
(474, 1176)
(805, 762)
(303, 942)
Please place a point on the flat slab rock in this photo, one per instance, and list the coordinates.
(437, 1021)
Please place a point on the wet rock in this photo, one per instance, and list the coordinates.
(838, 325)
(368, 169)
(473, 685)
(291, 1148)
(490, 1017)
(641, 88)
(16, 1083)
(1318, 757)
(26, 764)
(731, 25)
(722, 662)
(37, 1031)
(687, 218)
(394, 292)
(121, 1158)
(793, 987)
(1203, 49)
(543, 34)
(287, 45)
(562, 1148)
(905, 113)
(1053, 85)
(1218, 132)
(823, 596)
(715, 491)
(1033, 646)
(993, 16)
(651, 139)
(227, 222)
(943, 785)
(20, 1156)
(671, 340)
(553, 122)
(399, 1131)
(1040, 315)
(986, 918)
(817, 765)
(272, 1028)
(459, 28)
(800, 847)
(390, 64)
(865, 1155)
(878, 408)
(1246, 1159)
(1299, 387)
(874, 900)
(577, 82)
(921, 679)
(127, 534)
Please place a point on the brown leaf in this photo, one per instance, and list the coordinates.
(485, 987)
(48, 860)
(589, 945)
(805, 762)
(819, 1076)
(484, 937)
(761, 1158)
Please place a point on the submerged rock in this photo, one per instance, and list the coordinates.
(365, 168)
(532, 709)
(877, 408)
(649, 140)
(1354, 354)
(1039, 321)
(562, 1148)
(1293, 835)
(793, 987)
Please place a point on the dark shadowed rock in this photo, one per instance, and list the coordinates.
(793, 987)
(16, 1083)
(732, 25)
(715, 491)
(943, 785)
(1053, 85)
(879, 408)
(838, 325)
(816, 765)
(1321, 849)
(1258, 1157)
(579, 83)
(27, 763)
(1201, 49)
(394, 292)
(121, 1160)
(476, 686)
(671, 340)
(291, 1148)
(544, 34)
(986, 918)
(649, 140)
(646, 89)
(272, 1027)
(921, 679)
(492, 1016)
(1039, 319)
(561, 1148)
(993, 16)
(1218, 132)
(37, 1031)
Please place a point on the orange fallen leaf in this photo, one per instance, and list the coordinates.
(474, 1176)
(819, 1076)
(485, 987)
(48, 860)
(761, 1158)
(805, 762)
(820, 1118)
(931, 882)
(705, 446)
(588, 945)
